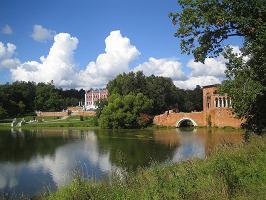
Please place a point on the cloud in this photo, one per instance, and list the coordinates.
(7, 53)
(207, 73)
(119, 53)
(60, 66)
(211, 67)
(42, 34)
(192, 82)
(162, 67)
(7, 30)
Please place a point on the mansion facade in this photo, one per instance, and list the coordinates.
(92, 96)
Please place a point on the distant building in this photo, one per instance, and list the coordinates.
(92, 96)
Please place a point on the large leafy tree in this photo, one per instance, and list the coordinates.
(125, 111)
(203, 26)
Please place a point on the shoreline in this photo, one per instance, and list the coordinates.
(225, 174)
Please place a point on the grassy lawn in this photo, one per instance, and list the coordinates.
(72, 121)
(231, 172)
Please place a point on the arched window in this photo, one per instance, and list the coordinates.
(224, 102)
(216, 102)
(208, 102)
(221, 102)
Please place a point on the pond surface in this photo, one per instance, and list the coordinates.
(37, 160)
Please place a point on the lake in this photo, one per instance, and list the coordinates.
(37, 160)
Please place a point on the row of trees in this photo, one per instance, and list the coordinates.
(162, 91)
(134, 98)
(20, 98)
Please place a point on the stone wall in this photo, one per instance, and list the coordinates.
(224, 117)
(52, 114)
(63, 114)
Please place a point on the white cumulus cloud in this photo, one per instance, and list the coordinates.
(7, 30)
(165, 67)
(7, 59)
(211, 67)
(192, 82)
(60, 66)
(119, 53)
(42, 34)
(207, 73)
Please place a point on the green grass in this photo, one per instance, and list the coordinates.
(231, 172)
(72, 121)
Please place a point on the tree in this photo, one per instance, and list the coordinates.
(203, 26)
(246, 89)
(125, 111)
(48, 98)
(100, 104)
(162, 91)
(3, 113)
(20, 98)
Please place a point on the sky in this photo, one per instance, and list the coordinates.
(84, 44)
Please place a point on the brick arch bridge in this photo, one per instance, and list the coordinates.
(181, 121)
(176, 119)
(216, 112)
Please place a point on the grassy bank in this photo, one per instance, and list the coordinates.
(72, 121)
(231, 172)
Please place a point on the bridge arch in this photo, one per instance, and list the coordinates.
(179, 122)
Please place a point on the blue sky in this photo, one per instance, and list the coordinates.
(144, 23)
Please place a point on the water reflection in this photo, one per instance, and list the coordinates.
(32, 160)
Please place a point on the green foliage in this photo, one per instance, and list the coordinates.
(20, 98)
(163, 93)
(3, 113)
(203, 26)
(47, 98)
(232, 172)
(100, 105)
(124, 111)
(191, 100)
(247, 89)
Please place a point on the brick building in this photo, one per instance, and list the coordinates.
(217, 108)
(92, 96)
(216, 112)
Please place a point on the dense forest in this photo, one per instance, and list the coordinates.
(24, 98)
